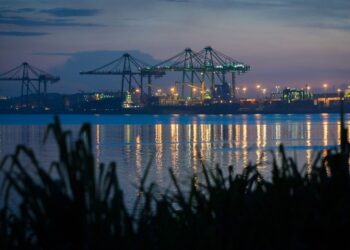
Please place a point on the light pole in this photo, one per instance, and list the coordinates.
(308, 88)
(339, 91)
(325, 85)
(244, 91)
(194, 91)
(258, 86)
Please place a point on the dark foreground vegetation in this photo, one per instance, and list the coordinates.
(74, 204)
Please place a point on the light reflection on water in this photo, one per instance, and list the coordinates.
(176, 142)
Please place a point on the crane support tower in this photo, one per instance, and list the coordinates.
(33, 82)
(207, 65)
(132, 72)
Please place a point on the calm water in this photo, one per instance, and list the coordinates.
(175, 141)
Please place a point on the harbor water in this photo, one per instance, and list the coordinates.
(179, 142)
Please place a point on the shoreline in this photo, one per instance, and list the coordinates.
(291, 112)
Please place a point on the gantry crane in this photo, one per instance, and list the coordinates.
(186, 62)
(206, 64)
(33, 81)
(129, 68)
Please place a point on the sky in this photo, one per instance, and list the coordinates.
(286, 42)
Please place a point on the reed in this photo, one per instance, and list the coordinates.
(74, 204)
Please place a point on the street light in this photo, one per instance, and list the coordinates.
(325, 85)
(244, 90)
(339, 91)
(258, 89)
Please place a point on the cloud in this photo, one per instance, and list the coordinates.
(335, 26)
(20, 33)
(24, 10)
(24, 21)
(336, 8)
(21, 10)
(67, 12)
(57, 12)
(72, 81)
(53, 54)
(37, 17)
(321, 14)
(177, 1)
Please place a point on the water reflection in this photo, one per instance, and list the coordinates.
(258, 143)
(245, 145)
(174, 146)
(194, 146)
(278, 134)
(159, 150)
(308, 160)
(338, 133)
(308, 133)
(138, 156)
(97, 142)
(325, 129)
(227, 140)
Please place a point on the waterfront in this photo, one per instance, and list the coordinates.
(173, 141)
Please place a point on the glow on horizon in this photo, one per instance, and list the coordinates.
(292, 42)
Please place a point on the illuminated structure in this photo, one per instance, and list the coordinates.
(33, 82)
(207, 65)
(291, 95)
(128, 101)
(132, 71)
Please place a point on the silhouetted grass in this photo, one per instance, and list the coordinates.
(75, 204)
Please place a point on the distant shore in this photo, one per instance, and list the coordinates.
(176, 110)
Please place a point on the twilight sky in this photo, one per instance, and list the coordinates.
(286, 42)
